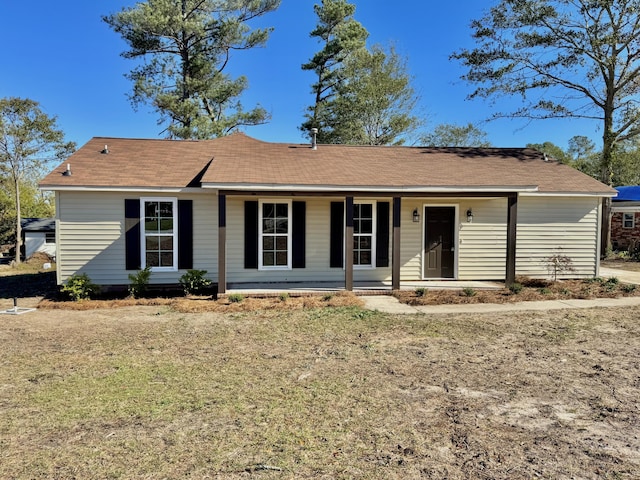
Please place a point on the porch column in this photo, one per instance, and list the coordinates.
(512, 222)
(348, 245)
(395, 256)
(222, 243)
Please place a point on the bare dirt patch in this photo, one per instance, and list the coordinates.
(148, 392)
(622, 264)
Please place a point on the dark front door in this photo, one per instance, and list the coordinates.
(439, 237)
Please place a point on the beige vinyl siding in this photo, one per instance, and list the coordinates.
(545, 224)
(317, 269)
(568, 225)
(483, 242)
(91, 236)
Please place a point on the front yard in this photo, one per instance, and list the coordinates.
(148, 392)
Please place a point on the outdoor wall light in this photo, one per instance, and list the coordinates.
(469, 216)
(416, 215)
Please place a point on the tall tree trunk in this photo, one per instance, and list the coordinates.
(16, 184)
(606, 173)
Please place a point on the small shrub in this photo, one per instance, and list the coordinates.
(235, 298)
(421, 292)
(558, 263)
(194, 282)
(139, 282)
(469, 292)
(79, 287)
(544, 291)
(284, 296)
(327, 297)
(516, 288)
(628, 288)
(612, 281)
(595, 280)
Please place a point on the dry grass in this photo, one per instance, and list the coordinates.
(206, 304)
(148, 392)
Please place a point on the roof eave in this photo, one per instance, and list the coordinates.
(252, 187)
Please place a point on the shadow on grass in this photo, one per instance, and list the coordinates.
(29, 285)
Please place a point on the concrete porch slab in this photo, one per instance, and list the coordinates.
(359, 288)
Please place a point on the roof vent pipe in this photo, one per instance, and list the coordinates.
(105, 150)
(314, 133)
(67, 172)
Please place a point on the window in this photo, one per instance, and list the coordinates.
(363, 235)
(628, 220)
(275, 235)
(159, 233)
(50, 237)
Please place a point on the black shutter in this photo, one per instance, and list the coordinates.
(298, 234)
(185, 234)
(382, 235)
(251, 234)
(336, 248)
(132, 234)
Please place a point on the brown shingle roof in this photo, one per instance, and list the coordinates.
(239, 160)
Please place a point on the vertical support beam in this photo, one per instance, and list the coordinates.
(348, 244)
(512, 222)
(395, 256)
(222, 243)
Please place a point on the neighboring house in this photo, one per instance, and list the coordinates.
(625, 218)
(39, 235)
(252, 212)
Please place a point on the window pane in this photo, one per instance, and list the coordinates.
(268, 210)
(152, 259)
(267, 243)
(150, 209)
(166, 243)
(356, 257)
(365, 257)
(166, 259)
(152, 243)
(282, 225)
(281, 243)
(166, 209)
(268, 226)
(151, 225)
(356, 226)
(366, 210)
(356, 210)
(281, 210)
(365, 242)
(366, 226)
(268, 259)
(281, 258)
(166, 225)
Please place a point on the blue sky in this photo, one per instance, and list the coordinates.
(62, 55)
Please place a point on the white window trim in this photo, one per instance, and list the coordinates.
(374, 235)
(143, 246)
(261, 265)
(633, 220)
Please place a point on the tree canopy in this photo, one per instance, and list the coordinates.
(563, 58)
(29, 141)
(375, 103)
(340, 35)
(186, 46)
(452, 135)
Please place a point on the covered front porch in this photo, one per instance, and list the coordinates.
(395, 262)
